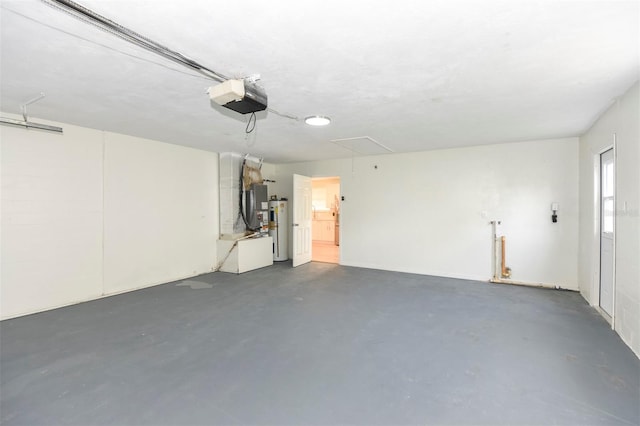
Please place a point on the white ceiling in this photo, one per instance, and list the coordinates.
(411, 75)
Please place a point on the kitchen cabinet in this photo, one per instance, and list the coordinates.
(323, 230)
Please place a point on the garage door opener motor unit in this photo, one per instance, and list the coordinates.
(242, 96)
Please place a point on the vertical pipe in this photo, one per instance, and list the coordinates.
(503, 242)
(494, 248)
(506, 272)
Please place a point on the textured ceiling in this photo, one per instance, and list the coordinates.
(412, 75)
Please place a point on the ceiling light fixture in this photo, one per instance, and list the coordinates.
(317, 120)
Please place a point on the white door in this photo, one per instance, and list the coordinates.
(607, 223)
(301, 220)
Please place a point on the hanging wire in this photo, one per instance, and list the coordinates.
(251, 138)
(251, 131)
(250, 128)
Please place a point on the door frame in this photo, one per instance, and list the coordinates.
(598, 229)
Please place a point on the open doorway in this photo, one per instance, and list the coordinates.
(325, 224)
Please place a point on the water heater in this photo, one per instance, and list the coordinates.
(278, 228)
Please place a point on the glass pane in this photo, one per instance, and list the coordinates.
(607, 215)
(607, 180)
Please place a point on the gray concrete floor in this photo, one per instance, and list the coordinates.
(319, 344)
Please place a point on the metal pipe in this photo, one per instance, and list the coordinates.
(30, 125)
(29, 102)
(506, 272)
(131, 36)
(494, 246)
(540, 285)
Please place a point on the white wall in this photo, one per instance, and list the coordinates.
(161, 212)
(429, 212)
(51, 222)
(90, 213)
(621, 119)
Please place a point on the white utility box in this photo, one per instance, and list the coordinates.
(246, 255)
(228, 91)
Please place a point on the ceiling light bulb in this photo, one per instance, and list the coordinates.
(317, 120)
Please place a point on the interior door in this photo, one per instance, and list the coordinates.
(607, 224)
(301, 220)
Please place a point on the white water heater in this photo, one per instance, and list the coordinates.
(278, 229)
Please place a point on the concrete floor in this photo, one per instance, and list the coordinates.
(319, 344)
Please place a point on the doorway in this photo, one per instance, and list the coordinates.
(325, 224)
(607, 229)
